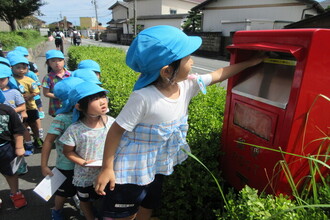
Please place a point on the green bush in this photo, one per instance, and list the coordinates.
(25, 38)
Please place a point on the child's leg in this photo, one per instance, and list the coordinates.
(87, 209)
(143, 213)
(59, 202)
(13, 183)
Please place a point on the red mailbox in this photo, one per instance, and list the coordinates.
(276, 104)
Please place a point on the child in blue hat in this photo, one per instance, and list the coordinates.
(58, 126)
(87, 75)
(29, 89)
(90, 64)
(11, 147)
(55, 60)
(84, 139)
(145, 141)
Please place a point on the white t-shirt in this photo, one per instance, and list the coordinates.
(58, 32)
(149, 105)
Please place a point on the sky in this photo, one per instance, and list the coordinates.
(55, 10)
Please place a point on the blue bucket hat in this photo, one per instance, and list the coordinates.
(87, 75)
(4, 61)
(62, 90)
(2, 97)
(89, 64)
(81, 91)
(156, 47)
(5, 71)
(23, 50)
(54, 54)
(16, 59)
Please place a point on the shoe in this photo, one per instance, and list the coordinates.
(0, 203)
(22, 169)
(41, 115)
(18, 199)
(38, 143)
(29, 149)
(29, 130)
(57, 214)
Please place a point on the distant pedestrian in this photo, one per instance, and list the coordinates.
(75, 37)
(59, 39)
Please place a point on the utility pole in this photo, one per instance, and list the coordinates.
(135, 19)
(97, 20)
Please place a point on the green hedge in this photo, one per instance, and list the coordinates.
(25, 38)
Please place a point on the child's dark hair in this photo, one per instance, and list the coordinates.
(83, 103)
(175, 65)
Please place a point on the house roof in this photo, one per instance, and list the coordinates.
(117, 21)
(313, 4)
(150, 17)
(118, 3)
(318, 21)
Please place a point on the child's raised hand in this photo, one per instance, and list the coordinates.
(46, 171)
(105, 177)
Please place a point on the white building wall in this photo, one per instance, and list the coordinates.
(119, 12)
(150, 23)
(182, 7)
(149, 7)
(217, 13)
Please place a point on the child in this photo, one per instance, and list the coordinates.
(13, 97)
(29, 89)
(60, 123)
(55, 60)
(87, 75)
(32, 66)
(90, 64)
(59, 39)
(33, 74)
(11, 146)
(84, 140)
(145, 141)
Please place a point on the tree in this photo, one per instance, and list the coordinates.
(10, 10)
(193, 22)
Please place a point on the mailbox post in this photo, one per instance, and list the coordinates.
(275, 105)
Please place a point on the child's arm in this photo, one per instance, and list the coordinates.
(20, 108)
(47, 93)
(111, 144)
(70, 153)
(226, 72)
(46, 149)
(19, 147)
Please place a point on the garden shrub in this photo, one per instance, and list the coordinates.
(25, 38)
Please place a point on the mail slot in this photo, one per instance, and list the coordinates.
(276, 104)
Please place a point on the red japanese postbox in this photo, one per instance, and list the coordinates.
(278, 104)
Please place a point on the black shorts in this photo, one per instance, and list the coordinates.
(87, 194)
(38, 103)
(58, 42)
(33, 115)
(125, 200)
(67, 189)
(7, 154)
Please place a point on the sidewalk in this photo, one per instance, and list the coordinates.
(37, 208)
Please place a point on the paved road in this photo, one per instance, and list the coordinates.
(37, 208)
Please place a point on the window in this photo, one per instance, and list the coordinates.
(172, 11)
